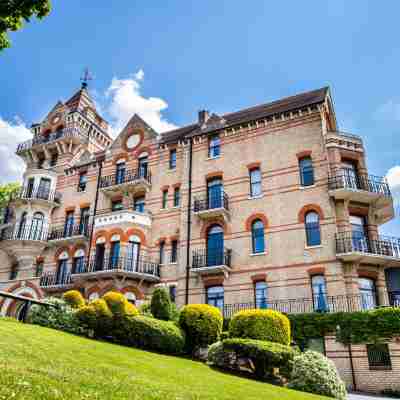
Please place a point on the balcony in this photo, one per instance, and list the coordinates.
(212, 207)
(29, 231)
(38, 195)
(320, 304)
(118, 267)
(344, 140)
(53, 281)
(127, 217)
(131, 181)
(71, 135)
(380, 251)
(67, 234)
(211, 262)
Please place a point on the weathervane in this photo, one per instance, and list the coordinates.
(86, 78)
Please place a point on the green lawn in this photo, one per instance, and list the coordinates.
(40, 363)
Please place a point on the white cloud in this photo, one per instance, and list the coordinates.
(125, 99)
(393, 177)
(389, 110)
(11, 133)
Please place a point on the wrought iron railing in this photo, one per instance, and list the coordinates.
(211, 202)
(69, 231)
(52, 137)
(129, 176)
(348, 179)
(321, 303)
(394, 298)
(37, 193)
(203, 258)
(25, 231)
(6, 215)
(50, 279)
(109, 263)
(349, 242)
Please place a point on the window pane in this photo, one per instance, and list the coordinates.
(261, 294)
(176, 197)
(319, 291)
(313, 234)
(215, 297)
(214, 146)
(368, 295)
(255, 182)
(258, 237)
(174, 251)
(172, 159)
(306, 172)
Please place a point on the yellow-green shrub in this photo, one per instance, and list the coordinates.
(96, 316)
(74, 298)
(257, 324)
(119, 305)
(202, 324)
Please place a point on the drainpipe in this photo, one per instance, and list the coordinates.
(189, 220)
(95, 206)
(353, 375)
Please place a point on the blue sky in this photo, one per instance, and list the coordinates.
(166, 60)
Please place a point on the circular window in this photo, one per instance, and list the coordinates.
(133, 141)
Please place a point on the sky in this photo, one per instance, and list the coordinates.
(167, 60)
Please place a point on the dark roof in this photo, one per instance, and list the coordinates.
(250, 114)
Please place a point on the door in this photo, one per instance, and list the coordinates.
(120, 173)
(29, 188)
(143, 167)
(69, 224)
(84, 221)
(359, 233)
(214, 193)
(350, 175)
(114, 255)
(36, 232)
(215, 246)
(62, 272)
(44, 189)
(99, 257)
(132, 256)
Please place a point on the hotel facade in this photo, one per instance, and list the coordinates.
(271, 207)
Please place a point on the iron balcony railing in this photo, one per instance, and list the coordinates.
(347, 179)
(109, 263)
(52, 137)
(203, 258)
(211, 202)
(129, 176)
(37, 193)
(26, 231)
(69, 231)
(349, 242)
(6, 215)
(394, 298)
(50, 279)
(321, 303)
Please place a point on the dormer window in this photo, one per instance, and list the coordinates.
(214, 146)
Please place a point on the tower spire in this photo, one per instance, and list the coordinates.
(86, 77)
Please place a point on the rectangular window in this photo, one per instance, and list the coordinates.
(172, 293)
(164, 198)
(177, 197)
(214, 146)
(255, 182)
(117, 205)
(306, 171)
(84, 221)
(260, 292)
(138, 204)
(69, 224)
(172, 159)
(379, 356)
(215, 297)
(162, 248)
(174, 251)
(82, 182)
(54, 159)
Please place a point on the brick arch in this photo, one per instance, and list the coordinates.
(215, 221)
(108, 288)
(305, 153)
(60, 250)
(119, 156)
(364, 273)
(316, 271)
(144, 149)
(16, 286)
(117, 231)
(138, 293)
(98, 234)
(306, 209)
(253, 217)
(137, 232)
(93, 289)
(78, 246)
(161, 239)
(216, 174)
(259, 278)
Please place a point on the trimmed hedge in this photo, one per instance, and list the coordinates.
(257, 324)
(314, 373)
(74, 298)
(161, 304)
(150, 333)
(202, 324)
(119, 305)
(96, 317)
(265, 357)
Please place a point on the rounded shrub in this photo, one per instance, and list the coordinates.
(268, 325)
(202, 324)
(74, 298)
(151, 334)
(314, 373)
(119, 304)
(216, 355)
(161, 304)
(96, 317)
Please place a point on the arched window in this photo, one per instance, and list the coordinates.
(63, 272)
(318, 285)
(313, 233)
(260, 294)
(215, 246)
(78, 264)
(22, 226)
(257, 236)
(130, 297)
(133, 253)
(36, 231)
(93, 296)
(114, 252)
(306, 171)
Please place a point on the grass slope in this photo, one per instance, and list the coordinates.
(41, 363)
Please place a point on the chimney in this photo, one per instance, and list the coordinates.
(203, 116)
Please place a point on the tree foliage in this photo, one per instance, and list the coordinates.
(13, 14)
(6, 191)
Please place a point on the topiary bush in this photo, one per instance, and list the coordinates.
(61, 316)
(161, 304)
(202, 324)
(144, 309)
(257, 324)
(74, 298)
(314, 373)
(151, 334)
(119, 304)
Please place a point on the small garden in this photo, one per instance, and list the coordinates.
(255, 343)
